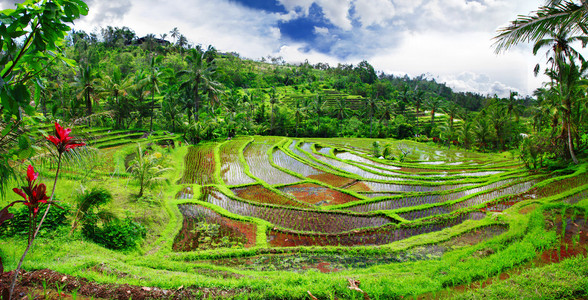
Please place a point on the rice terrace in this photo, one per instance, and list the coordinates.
(155, 168)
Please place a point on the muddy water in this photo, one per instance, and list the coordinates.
(205, 229)
(318, 195)
(260, 194)
(363, 237)
(327, 263)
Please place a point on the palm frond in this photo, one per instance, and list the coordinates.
(536, 26)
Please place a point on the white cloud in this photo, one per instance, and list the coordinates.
(337, 12)
(321, 30)
(443, 37)
(465, 53)
(374, 12)
(481, 83)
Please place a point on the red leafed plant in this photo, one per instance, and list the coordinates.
(62, 140)
(35, 194)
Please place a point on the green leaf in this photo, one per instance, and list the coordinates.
(82, 6)
(23, 142)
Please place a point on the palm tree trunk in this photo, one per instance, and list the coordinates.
(570, 146)
(152, 107)
(88, 102)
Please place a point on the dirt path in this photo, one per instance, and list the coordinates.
(48, 284)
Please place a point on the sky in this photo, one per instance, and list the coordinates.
(448, 40)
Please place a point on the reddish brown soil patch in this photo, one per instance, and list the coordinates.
(529, 208)
(359, 187)
(318, 195)
(260, 194)
(31, 284)
(332, 179)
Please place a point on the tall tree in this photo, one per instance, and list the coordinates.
(115, 87)
(274, 99)
(85, 82)
(341, 111)
(434, 103)
(198, 70)
(154, 80)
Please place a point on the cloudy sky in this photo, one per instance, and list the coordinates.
(449, 40)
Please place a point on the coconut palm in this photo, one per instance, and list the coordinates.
(116, 87)
(568, 88)
(154, 80)
(197, 73)
(549, 18)
(559, 47)
(171, 109)
(341, 110)
(274, 99)
(318, 104)
(434, 103)
(147, 170)
(418, 100)
(86, 83)
(513, 105)
(452, 109)
(481, 130)
(299, 113)
(174, 33)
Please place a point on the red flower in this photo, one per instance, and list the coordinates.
(33, 194)
(62, 140)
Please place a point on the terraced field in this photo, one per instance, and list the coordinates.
(332, 192)
(276, 218)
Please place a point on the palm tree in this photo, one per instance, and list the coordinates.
(433, 104)
(513, 105)
(568, 89)
(546, 19)
(341, 111)
(88, 208)
(559, 47)
(418, 99)
(386, 113)
(299, 113)
(198, 71)
(154, 80)
(115, 87)
(405, 98)
(146, 169)
(481, 130)
(138, 92)
(171, 109)
(86, 84)
(274, 99)
(318, 105)
(452, 109)
(466, 133)
(232, 104)
(174, 33)
(498, 115)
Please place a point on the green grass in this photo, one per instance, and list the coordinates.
(154, 263)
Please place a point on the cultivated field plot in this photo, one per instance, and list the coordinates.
(328, 204)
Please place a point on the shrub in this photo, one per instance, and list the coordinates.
(19, 225)
(116, 234)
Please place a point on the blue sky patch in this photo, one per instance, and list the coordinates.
(266, 5)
